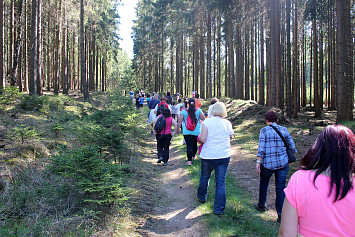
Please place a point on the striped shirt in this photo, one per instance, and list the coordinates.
(272, 149)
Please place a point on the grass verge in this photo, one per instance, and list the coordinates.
(240, 218)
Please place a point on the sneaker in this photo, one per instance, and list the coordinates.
(194, 158)
(201, 201)
(219, 215)
(258, 208)
(160, 160)
(188, 163)
(165, 164)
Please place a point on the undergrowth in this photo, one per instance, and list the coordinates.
(77, 179)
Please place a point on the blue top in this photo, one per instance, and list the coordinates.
(141, 100)
(131, 93)
(197, 130)
(272, 149)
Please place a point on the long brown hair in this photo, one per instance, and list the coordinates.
(333, 149)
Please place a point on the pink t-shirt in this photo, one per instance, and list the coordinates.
(317, 214)
(168, 123)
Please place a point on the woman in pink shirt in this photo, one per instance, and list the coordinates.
(164, 137)
(320, 197)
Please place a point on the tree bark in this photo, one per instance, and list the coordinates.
(82, 52)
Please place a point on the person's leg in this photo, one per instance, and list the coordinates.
(265, 175)
(280, 183)
(166, 144)
(189, 146)
(159, 147)
(220, 171)
(206, 170)
(194, 147)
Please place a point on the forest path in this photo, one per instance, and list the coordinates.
(242, 168)
(175, 212)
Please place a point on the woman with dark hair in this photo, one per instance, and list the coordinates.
(190, 136)
(272, 159)
(164, 137)
(320, 197)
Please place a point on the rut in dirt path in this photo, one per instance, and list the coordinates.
(176, 211)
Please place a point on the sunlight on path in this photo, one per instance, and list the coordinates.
(176, 213)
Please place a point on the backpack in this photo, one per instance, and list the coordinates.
(160, 109)
(160, 124)
(190, 125)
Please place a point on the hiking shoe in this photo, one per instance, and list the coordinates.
(219, 215)
(188, 163)
(201, 201)
(160, 160)
(258, 208)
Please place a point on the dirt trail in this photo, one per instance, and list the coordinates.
(242, 168)
(175, 213)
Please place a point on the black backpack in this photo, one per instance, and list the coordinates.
(160, 109)
(160, 124)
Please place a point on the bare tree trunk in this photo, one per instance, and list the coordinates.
(2, 45)
(262, 64)
(39, 49)
(16, 53)
(82, 52)
(345, 82)
(33, 56)
(315, 70)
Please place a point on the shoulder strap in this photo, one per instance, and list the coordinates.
(282, 137)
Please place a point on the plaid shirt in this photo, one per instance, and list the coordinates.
(272, 149)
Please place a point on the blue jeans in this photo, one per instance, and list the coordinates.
(280, 182)
(220, 169)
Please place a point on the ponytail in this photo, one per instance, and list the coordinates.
(192, 110)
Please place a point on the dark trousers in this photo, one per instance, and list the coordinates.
(163, 143)
(191, 146)
(280, 182)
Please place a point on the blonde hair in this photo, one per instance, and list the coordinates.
(219, 109)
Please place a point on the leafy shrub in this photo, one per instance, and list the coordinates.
(94, 177)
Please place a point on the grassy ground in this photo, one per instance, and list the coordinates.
(240, 217)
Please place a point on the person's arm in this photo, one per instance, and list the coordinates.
(175, 127)
(154, 132)
(204, 133)
(202, 116)
(289, 220)
(261, 151)
(181, 118)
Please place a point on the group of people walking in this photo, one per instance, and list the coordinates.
(319, 199)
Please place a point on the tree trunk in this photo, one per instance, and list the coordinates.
(2, 45)
(262, 64)
(315, 71)
(82, 52)
(33, 56)
(16, 54)
(39, 49)
(288, 59)
(345, 81)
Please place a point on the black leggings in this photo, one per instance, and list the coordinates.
(163, 143)
(191, 146)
